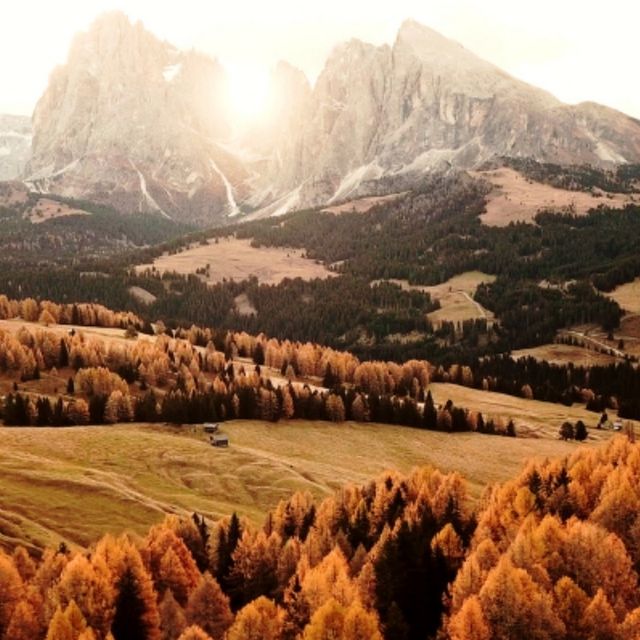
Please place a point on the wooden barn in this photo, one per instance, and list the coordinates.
(219, 440)
(211, 427)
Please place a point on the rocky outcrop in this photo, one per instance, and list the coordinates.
(15, 145)
(134, 123)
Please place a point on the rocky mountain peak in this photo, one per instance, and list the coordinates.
(131, 121)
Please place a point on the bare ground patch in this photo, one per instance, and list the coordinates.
(515, 198)
(233, 259)
(45, 209)
(142, 295)
(244, 306)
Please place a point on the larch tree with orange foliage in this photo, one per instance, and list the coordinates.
(11, 591)
(261, 619)
(208, 608)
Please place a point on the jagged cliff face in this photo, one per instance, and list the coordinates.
(15, 145)
(134, 123)
(428, 103)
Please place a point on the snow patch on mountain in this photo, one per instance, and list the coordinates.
(234, 210)
(148, 197)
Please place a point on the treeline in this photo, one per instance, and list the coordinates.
(248, 402)
(355, 566)
(531, 315)
(615, 386)
(549, 555)
(554, 553)
(66, 239)
(192, 378)
(84, 314)
(337, 312)
(186, 379)
(622, 179)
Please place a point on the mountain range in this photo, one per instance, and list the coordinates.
(132, 122)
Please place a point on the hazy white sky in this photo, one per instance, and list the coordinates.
(578, 50)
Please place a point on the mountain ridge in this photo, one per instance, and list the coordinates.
(132, 122)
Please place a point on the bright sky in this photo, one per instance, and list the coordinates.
(578, 50)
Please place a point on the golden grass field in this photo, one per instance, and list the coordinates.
(75, 484)
(517, 199)
(234, 259)
(565, 353)
(627, 296)
(533, 418)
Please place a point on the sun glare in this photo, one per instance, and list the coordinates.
(248, 91)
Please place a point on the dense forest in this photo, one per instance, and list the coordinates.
(549, 555)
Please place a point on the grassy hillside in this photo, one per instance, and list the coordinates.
(74, 484)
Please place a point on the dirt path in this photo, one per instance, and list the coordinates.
(481, 310)
(597, 343)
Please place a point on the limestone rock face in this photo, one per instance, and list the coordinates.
(15, 145)
(134, 123)
(427, 103)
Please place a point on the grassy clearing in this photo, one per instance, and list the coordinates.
(567, 354)
(455, 297)
(46, 209)
(233, 259)
(627, 296)
(518, 199)
(533, 418)
(75, 484)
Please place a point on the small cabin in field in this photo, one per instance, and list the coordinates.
(211, 427)
(219, 440)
